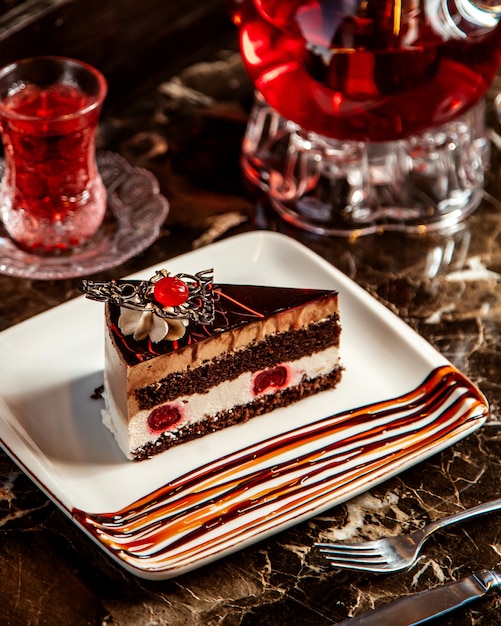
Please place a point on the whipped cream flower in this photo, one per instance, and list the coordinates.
(143, 323)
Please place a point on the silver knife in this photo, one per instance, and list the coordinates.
(421, 607)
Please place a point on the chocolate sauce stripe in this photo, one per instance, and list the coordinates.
(294, 484)
(202, 549)
(303, 504)
(168, 497)
(158, 530)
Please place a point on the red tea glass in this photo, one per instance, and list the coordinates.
(369, 114)
(52, 198)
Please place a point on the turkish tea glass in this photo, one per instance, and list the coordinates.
(52, 198)
(369, 115)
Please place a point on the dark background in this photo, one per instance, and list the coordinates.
(130, 41)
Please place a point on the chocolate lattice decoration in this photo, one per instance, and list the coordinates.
(139, 295)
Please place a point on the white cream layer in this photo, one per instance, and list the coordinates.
(222, 397)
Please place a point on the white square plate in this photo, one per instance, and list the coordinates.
(399, 402)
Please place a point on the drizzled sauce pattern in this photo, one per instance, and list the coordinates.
(242, 496)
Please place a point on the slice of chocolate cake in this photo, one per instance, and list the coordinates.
(185, 357)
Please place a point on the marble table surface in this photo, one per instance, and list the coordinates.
(187, 129)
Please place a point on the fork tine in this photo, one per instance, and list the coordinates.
(363, 567)
(348, 543)
(345, 546)
(376, 559)
(350, 550)
(363, 556)
(375, 562)
(369, 556)
(371, 563)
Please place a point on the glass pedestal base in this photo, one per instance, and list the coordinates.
(331, 187)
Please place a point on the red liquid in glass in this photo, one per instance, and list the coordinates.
(52, 174)
(372, 71)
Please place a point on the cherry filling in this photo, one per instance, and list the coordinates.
(273, 378)
(164, 418)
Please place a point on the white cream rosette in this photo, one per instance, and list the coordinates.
(144, 323)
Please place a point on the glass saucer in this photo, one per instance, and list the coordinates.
(136, 211)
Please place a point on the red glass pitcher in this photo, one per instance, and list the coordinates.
(381, 79)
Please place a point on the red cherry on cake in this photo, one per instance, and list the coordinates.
(170, 291)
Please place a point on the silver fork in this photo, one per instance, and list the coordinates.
(394, 553)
